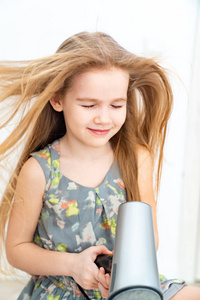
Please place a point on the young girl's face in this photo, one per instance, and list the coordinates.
(95, 106)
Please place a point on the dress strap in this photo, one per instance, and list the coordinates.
(49, 160)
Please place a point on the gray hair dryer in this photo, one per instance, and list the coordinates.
(134, 273)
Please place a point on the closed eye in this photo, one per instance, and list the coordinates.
(116, 106)
(93, 105)
(88, 106)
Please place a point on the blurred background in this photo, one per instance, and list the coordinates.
(169, 29)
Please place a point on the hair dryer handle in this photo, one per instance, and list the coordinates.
(105, 261)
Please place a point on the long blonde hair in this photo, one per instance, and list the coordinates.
(28, 87)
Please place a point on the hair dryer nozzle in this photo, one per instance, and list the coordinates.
(134, 272)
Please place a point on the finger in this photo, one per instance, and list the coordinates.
(102, 250)
(102, 278)
(107, 276)
(90, 285)
(100, 274)
(103, 290)
(95, 281)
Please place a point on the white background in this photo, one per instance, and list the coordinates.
(35, 28)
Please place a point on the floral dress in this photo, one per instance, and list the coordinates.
(73, 218)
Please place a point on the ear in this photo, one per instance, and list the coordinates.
(56, 103)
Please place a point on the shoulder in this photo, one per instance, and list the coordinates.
(145, 174)
(32, 168)
(144, 158)
(32, 176)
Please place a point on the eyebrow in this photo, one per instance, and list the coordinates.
(99, 100)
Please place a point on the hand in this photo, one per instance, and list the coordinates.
(104, 282)
(84, 270)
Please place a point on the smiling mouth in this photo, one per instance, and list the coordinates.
(99, 131)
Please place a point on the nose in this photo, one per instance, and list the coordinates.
(102, 116)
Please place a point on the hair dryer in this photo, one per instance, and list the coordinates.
(134, 273)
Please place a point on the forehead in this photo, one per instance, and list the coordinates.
(106, 82)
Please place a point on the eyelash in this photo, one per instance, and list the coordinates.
(91, 106)
(115, 106)
(88, 106)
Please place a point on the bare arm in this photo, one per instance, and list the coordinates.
(23, 254)
(145, 182)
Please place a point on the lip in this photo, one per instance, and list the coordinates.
(99, 131)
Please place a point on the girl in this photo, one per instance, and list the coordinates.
(93, 119)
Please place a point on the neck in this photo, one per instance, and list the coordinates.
(73, 150)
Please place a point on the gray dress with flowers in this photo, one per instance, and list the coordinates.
(73, 218)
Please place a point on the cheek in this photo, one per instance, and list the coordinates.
(75, 117)
(121, 118)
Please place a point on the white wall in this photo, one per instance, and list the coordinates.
(35, 28)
